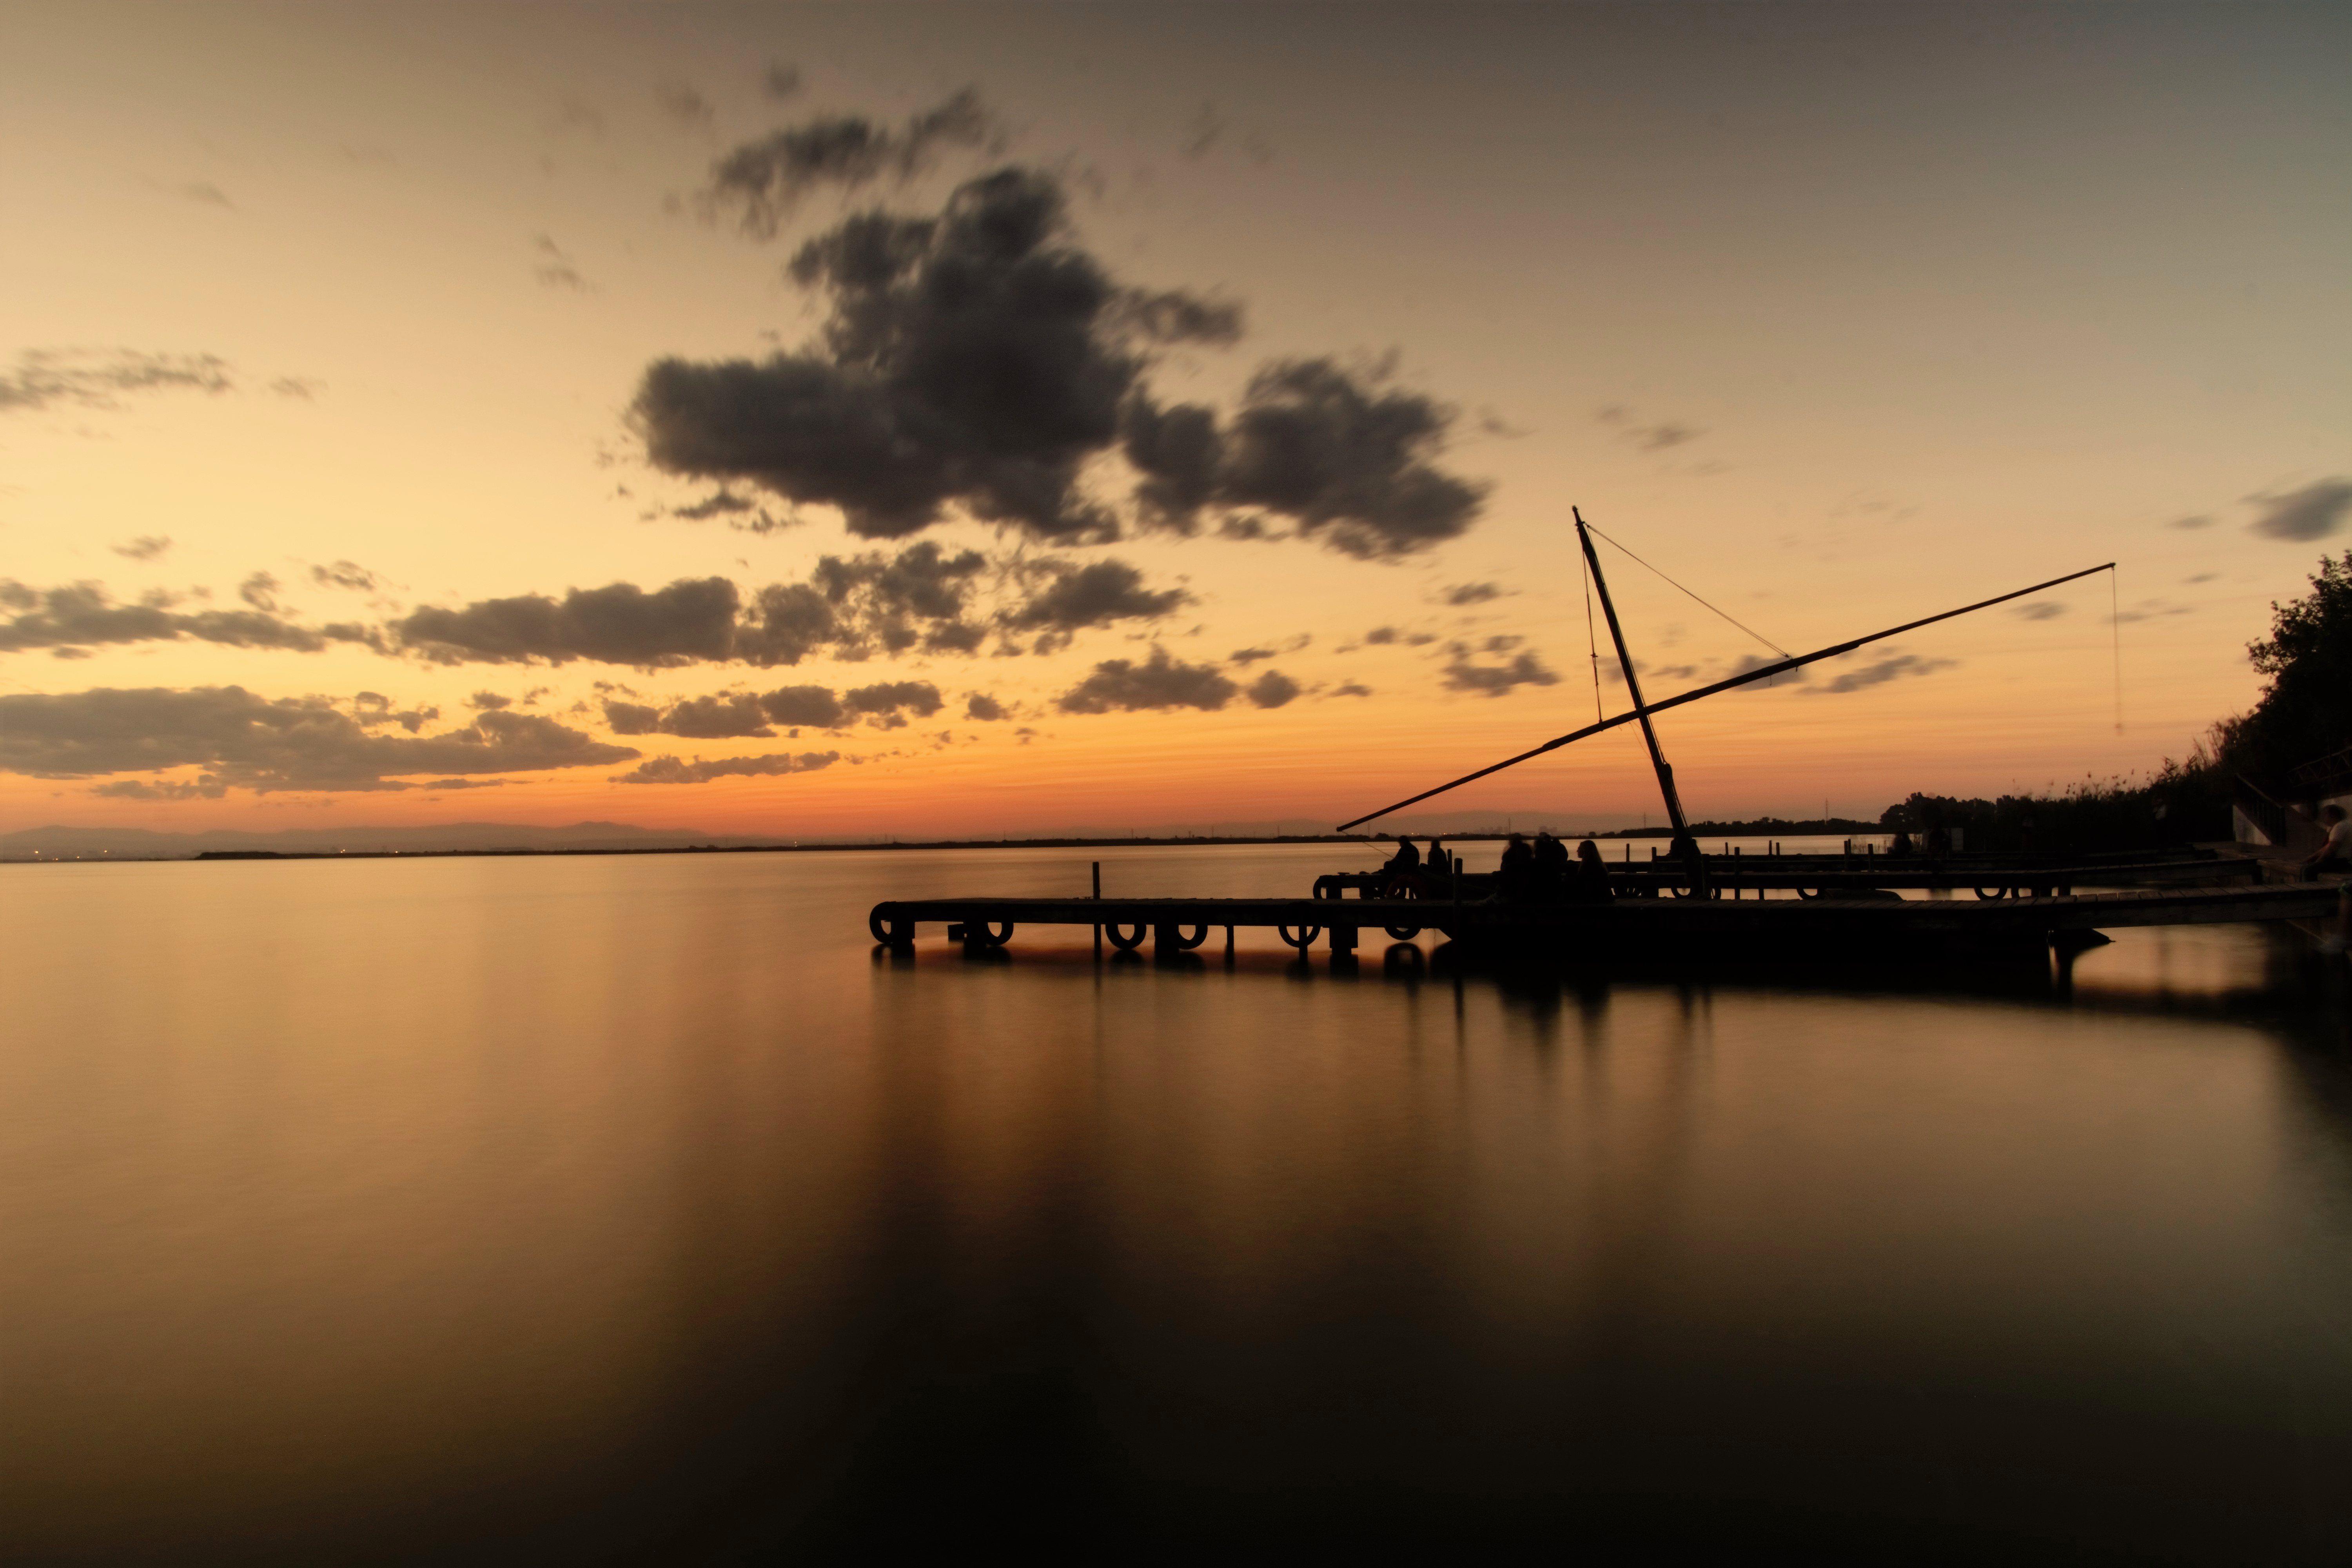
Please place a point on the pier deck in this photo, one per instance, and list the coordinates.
(1697, 926)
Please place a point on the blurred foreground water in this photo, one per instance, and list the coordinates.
(636, 1209)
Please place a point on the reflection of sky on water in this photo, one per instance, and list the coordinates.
(638, 1202)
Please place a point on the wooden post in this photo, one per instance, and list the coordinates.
(1099, 923)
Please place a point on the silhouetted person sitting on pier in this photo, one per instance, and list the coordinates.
(1901, 848)
(1439, 863)
(1515, 882)
(1406, 858)
(2336, 854)
(1591, 883)
(1551, 867)
(1939, 843)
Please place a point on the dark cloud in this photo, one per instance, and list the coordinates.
(372, 710)
(1463, 593)
(2041, 610)
(974, 359)
(718, 718)
(1249, 655)
(683, 106)
(780, 80)
(144, 548)
(919, 697)
(979, 705)
(1380, 634)
(2198, 521)
(814, 707)
(555, 269)
(344, 574)
(739, 715)
(205, 786)
(253, 743)
(260, 591)
(1464, 673)
(1652, 438)
(980, 358)
(1160, 682)
(1339, 454)
(762, 181)
(920, 599)
(1894, 667)
(691, 620)
(1272, 689)
(2312, 512)
(1062, 598)
(1350, 688)
(673, 770)
(83, 615)
(740, 512)
(489, 700)
(99, 378)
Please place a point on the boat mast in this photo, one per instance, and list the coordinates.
(1633, 684)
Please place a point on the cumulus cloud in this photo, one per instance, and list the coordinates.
(1893, 667)
(255, 742)
(1463, 672)
(146, 547)
(738, 715)
(1248, 655)
(1339, 454)
(99, 378)
(674, 770)
(1272, 689)
(1463, 593)
(83, 616)
(205, 786)
(1062, 598)
(371, 709)
(1160, 682)
(979, 705)
(762, 181)
(260, 591)
(344, 574)
(691, 620)
(1351, 689)
(918, 599)
(2312, 512)
(489, 700)
(2041, 610)
(979, 360)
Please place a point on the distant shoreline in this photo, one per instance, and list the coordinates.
(1700, 829)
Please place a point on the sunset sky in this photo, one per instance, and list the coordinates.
(416, 414)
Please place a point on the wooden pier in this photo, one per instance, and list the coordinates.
(1843, 924)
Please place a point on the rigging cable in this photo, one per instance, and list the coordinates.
(1743, 625)
(1591, 645)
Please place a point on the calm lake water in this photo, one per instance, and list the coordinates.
(636, 1209)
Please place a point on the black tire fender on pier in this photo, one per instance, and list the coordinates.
(887, 934)
(1182, 943)
(1994, 895)
(1304, 939)
(1121, 940)
(984, 933)
(1401, 933)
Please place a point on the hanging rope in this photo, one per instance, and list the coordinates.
(1592, 644)
(1743, 625)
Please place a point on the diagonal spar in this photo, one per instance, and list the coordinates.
(1765, 673)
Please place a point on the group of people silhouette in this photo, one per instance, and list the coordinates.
(1541, 871)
